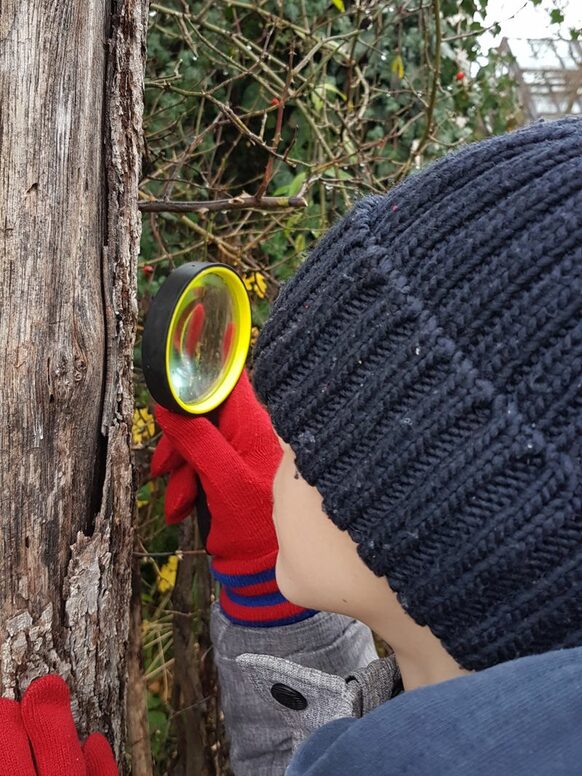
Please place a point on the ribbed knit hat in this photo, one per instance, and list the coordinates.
(425, 366)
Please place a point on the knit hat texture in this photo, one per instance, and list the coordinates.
(424, 364)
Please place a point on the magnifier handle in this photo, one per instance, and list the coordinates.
(201, 506)
(202, 515)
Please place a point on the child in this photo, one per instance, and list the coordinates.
(422, 373)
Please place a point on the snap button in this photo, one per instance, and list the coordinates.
(288, 697)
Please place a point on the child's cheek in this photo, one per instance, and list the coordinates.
(293, 562)
(306, 565)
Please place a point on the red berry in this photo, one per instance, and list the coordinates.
(460, 75)
(275, 101)
(148, 269)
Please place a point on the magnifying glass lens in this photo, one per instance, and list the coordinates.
(201, 340)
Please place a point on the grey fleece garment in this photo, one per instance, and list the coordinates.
(329, 659)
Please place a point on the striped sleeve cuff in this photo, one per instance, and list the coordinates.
(255, 600)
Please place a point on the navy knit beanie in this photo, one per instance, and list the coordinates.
(425, 366)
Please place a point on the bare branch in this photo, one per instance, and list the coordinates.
(234, 203)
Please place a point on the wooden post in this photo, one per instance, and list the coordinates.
(71, 80)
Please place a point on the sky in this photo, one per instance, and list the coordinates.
(521, 19)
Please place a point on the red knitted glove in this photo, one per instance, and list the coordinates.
(38, 736)
(236, 462)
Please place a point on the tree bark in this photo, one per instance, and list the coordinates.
(71, 79)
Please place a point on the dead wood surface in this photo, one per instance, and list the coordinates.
(71, 79)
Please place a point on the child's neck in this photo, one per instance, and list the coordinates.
(423, 667)
(421, 657)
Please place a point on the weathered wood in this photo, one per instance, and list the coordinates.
(138, 734)
(71, 77)
(187, 696)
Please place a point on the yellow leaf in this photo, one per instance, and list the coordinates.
(397, 67)
(143, 494)
(143, 426)
(167, 574)
(339, 4)
(254, 335)
(256, 282)
(261, 286)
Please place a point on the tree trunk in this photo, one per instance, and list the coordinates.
(71, 78)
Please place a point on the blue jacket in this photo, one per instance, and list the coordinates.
(521, 718)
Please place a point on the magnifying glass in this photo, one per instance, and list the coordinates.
(195, 344)
(196, 338)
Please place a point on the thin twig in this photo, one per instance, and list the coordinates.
(436, 69)
(233, 203)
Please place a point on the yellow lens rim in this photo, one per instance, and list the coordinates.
(240, 349)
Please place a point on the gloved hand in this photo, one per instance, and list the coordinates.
(235, 463)
(38, 736)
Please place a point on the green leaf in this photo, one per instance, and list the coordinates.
(556, 16)
(296, 184)
(291, 225)
(339, 4)
(157, 720)
(290, 189)
(318, 94)
(316, 99)
(299, 242)
(350, 147)
(331, 88)
(281, 191)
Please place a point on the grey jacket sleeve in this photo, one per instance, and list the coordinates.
(329, 659)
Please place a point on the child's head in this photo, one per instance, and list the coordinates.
(424, 366)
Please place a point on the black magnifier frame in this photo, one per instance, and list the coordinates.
(163, 336)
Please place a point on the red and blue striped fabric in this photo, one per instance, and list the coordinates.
(254, 600)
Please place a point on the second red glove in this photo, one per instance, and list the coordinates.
(38, 736)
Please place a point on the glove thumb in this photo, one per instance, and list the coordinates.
(165, 458)
(181, 493)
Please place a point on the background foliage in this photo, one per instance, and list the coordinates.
(270, 118)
